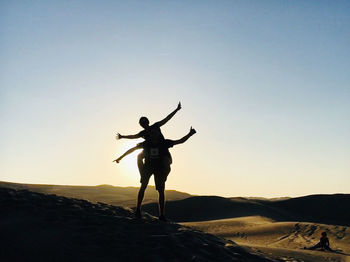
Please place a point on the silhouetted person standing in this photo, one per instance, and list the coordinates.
(156, 151)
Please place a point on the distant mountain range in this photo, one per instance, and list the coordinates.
(326, 209)
(113, 195)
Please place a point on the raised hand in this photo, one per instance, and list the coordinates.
(178, 106)
(192, 131)
(116, 160)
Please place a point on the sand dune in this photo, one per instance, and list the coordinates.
(41, 227)
(120, 196)
(283, 240)
(326, 209)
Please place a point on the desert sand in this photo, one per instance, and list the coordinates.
(279, 228)
(282, 240)
(325, 209)
(43, 227)
(51, 227)
(114, 195)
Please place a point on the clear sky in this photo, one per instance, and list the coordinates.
(265, 83)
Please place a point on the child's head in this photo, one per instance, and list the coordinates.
(144, 122)
(324, 234)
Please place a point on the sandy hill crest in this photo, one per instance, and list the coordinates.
(325, 209)
(114, 195)
(41, 227)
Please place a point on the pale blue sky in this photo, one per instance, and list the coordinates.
(265, 83)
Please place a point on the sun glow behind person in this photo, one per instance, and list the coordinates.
(264, 83)
(129, 164)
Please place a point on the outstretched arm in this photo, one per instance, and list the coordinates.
(119, 136)
(186, 137)
(165, 120)
(126, 153)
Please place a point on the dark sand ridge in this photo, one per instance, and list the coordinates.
(325, 209)
(113, 195)
(40, 227)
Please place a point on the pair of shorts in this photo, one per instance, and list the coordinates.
(160, 170)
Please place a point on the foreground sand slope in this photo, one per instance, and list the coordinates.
(284, 240)
(39, 227)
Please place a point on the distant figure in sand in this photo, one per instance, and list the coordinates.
(146, 132)
(323, 244)
(157, 163)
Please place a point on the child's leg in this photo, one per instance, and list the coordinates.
(140, 163)
(166, 162)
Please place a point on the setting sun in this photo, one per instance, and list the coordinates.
(129, 164)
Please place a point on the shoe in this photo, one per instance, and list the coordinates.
(162, 218)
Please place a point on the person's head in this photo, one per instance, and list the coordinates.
(144, 122)
(324, 234)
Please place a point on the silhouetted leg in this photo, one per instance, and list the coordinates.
(160, 178)
(145, 175)
(140, 196)
(161, 202)
(328, 248)
(140, 163)
(318, 245)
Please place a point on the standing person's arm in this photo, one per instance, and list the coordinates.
(185, 138)
(127, 153)
(165, 120)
